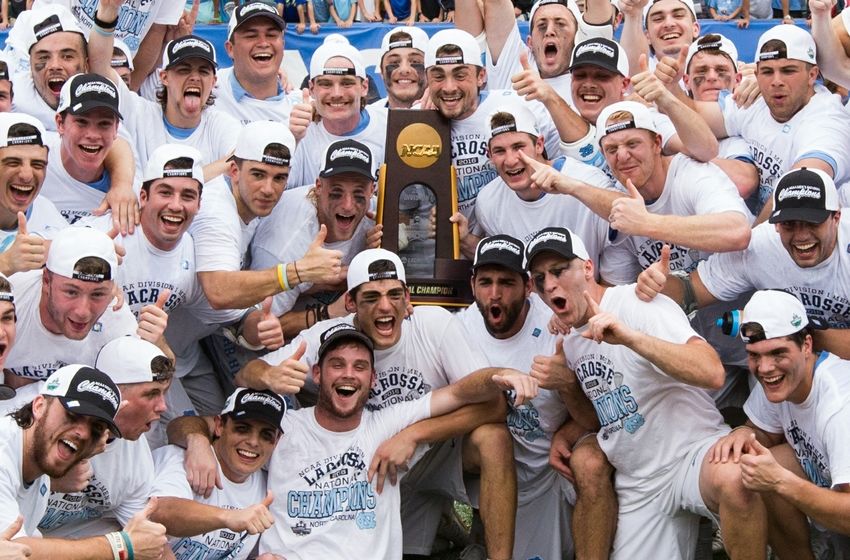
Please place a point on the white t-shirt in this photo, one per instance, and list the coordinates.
(214, 137)
(118, 489)
(74, 199)
(285, 236)
(816, 428)
(18, 498)
(640, 408)
(691, 189)
(42, 218)
(146, 270)
(432, 352)
(38, 352)
(134, 20)
(499, 73)
(221, 237)
(248, 109)
(818, 130)
(824, 290)
(533, 423)
(309, 157)
(326, 508)
(498, 210)
(222, 543)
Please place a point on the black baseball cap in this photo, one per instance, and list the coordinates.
(560, 241)
(251, 404)
(348, 156)
(805, 195)
(86, 391)
(252, 10)
(84, 92)
(340, 333)
(500, 250)
(602, 53)
(188, 46)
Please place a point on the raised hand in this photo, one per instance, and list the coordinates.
(27, 252)
(253, 519)
(628, 213)
(301, 115)
(552, 372)
(319, 265)
(153, 319)
(269, 330)
(148, 538)
(603, 326)
(651, 281)
(290, 375)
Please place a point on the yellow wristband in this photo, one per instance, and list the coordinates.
(281, 277)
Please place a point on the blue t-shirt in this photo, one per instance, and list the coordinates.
(401, 8)
(343, 8)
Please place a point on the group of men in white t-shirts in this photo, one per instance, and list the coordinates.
(207, 354)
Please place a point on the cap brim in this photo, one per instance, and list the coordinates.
(254, 415)
(180, 59)
(87, 106)
(274, 17)
(343, 335)
(537, 252)
(86, 409)
(345, 169)
(501, 264)
(810, 215)
(604, 66)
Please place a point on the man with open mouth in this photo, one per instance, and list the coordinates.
(66, 423)
(66, 312)
(335, 207)
(181, 114)
(414, 355)
(122, 476)
(87, 120)
(644, 369)
(251, 90)
(244, 437)
(26, 218)
(338, 87)
(525, 197)
(795, 122)
(509, 324)
(803, 248)
(791, 448)
(656, 29)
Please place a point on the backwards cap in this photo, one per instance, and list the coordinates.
(470, 51)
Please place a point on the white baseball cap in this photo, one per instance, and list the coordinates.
(256, 137)
(127, 359)
(470, 51)
(9, 120)
(641, 118)
(799, 44)
(723, 44)
(47, 20)
(523, 120)
(418, 40)
(689, 4)
(329, 50)
(778, 313)
(571, 5)
(359, 270)
(74, 243)
(155, 169)
(125, 50)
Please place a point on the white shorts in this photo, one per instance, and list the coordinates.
(543, 523)
(666, 525)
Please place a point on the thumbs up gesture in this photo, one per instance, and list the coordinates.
(759, 469)
(529, 84)
(289, 375)
(148, 537)
(301, 115)
(651, 281)
(254, 519)
(269, 330)
(629, 214)
(12, 550)
(319, 265)
(647, 85)
(670, 70)
(28, 251)
(552, 372)
(153, 319)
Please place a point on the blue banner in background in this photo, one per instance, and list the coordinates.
(367, 38)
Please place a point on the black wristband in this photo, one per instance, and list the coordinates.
(105, 25)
